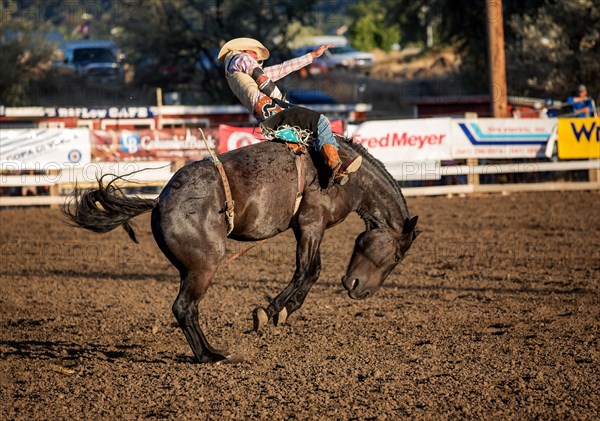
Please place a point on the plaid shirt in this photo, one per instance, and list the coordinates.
(245, 63)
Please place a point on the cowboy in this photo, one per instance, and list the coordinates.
(254, 86)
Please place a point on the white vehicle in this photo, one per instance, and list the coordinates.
(93, 60)
(347, 57)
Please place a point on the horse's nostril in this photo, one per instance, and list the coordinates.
(354, 283)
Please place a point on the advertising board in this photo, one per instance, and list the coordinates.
(398, 141)
(43, 149)
(233, 137)
(146, 144)
(579, 138)
(501, 138)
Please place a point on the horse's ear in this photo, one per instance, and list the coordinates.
(410, 224)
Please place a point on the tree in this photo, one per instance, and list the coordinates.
(188, 34)
(550, 46)
(179, 38)
(32, 31)
(370, 30)
(555, 48)
(25, 58)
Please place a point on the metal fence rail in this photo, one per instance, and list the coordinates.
(158, 174)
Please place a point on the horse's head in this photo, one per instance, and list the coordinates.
(376, 253)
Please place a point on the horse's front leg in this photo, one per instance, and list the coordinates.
(308, 268)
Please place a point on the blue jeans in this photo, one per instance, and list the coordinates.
(324, 134)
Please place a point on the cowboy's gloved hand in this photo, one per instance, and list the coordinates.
(319, 51)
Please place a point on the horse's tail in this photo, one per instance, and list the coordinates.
(105, 208)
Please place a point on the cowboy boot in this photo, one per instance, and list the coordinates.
(340, 170)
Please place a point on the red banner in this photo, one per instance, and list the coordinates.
(231, 137)
(147, 144)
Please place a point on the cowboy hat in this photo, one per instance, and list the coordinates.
(244, 44)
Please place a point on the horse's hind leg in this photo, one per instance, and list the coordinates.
(197, 257)
(194, 284)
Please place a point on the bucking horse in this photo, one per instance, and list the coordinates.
(255, 193)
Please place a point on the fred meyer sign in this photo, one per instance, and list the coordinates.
(394, 141)
(579, 138)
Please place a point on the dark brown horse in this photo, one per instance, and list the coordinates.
(189, 226)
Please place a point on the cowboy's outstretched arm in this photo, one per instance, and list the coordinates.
(281, 70)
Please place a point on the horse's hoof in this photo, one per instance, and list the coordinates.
(231, 359)
(216, 357)
(260, 318)
(281, 317)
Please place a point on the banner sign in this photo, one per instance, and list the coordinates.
(146, 144)
(232, 137)
(501, 137)
(99, 113)
(578, 138)
(397, 141)
(43, 149)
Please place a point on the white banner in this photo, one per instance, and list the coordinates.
(43, 149)
(395, 142)
(501, 138)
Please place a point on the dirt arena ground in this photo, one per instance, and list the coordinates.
(494, 314)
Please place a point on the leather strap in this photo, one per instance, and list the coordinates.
(301, 169)
(229, 203)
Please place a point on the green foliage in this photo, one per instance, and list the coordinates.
(551, 46)
(177, 32)
(25, 58)
(30, 34)
(370, 30)
(165, 40)
(555, 48)
(65, 16)
(298, 33)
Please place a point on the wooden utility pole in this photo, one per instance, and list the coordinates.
(496, 59)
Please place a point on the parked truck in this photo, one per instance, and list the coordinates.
(93, 61)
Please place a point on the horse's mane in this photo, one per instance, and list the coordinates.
(381, 170)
